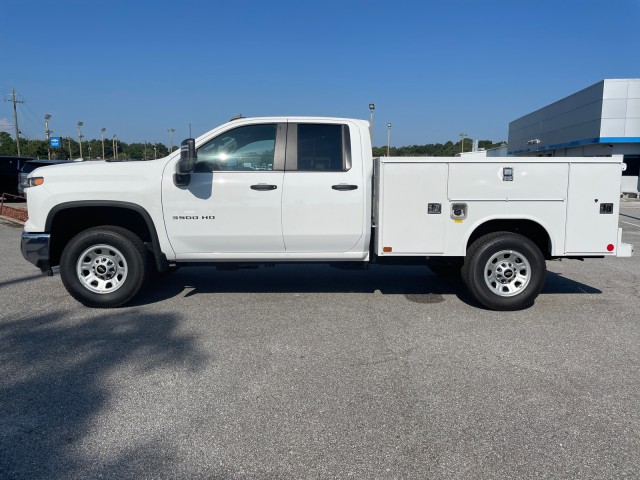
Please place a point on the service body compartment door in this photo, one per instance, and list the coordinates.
(593, 188)
(512, 180)
(406, 225)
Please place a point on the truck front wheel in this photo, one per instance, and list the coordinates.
(504, 271)
(104, 266)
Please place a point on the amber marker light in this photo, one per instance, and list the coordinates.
(36, 181)
(387, 249)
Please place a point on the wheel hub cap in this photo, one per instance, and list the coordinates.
(507, 273)
(102, 269)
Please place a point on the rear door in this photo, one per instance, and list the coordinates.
(323, 194)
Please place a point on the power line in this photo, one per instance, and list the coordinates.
(29, 118)
(39, 123)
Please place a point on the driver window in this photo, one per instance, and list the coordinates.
(241, 149)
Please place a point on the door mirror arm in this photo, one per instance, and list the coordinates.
(181, 179)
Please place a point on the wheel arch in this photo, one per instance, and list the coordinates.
(66, 220)
(530, 228)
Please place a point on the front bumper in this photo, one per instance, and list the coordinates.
(35, 248)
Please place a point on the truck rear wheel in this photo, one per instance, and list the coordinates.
(104, 266)
(504, 271)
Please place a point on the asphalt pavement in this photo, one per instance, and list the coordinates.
(310, 372)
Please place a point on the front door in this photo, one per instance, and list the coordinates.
(233, 201)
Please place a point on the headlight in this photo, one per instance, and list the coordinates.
(35, 181)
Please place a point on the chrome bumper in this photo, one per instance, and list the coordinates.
(35, 248)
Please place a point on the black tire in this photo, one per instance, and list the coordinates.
(114, 266)
(446, 267)
(504, 271)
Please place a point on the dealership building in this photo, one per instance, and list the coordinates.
(601, 120)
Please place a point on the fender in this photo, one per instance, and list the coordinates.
(161, 259)
(508, 218)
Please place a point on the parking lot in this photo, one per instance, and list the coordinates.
(312, 372)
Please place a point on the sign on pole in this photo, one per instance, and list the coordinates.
(55, 142)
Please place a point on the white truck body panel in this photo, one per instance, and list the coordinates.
(589, 185)
(231, 218)
(403, 222)
(563, 196)
(137, 183)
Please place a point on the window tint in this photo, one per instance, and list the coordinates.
(241, 149)
(321, 148)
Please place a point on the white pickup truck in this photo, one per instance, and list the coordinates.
(268, 190)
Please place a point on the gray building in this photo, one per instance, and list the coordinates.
(601, 120)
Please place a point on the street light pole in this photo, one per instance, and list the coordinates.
(47, 132)
(372, 107)
(462, 137)
(171, 130)
(102, 130)
(115, 153)
(80, 137)
(388, 138)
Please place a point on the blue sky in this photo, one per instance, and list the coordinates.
(434, 68)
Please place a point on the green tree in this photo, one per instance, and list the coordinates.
(448, 149)
(33, 148)
(7, 144)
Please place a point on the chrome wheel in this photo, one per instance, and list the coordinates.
(102, 269)
(507, 273)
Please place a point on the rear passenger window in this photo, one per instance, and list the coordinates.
(323, 148)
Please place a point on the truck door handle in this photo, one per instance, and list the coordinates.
(263, 187)
(344, 186)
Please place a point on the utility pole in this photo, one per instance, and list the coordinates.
(15, 117)
(171, 130)
(388, 138)
(70, 155)
(103, 130)
(47, 133)
(80, 136)
(372, 107)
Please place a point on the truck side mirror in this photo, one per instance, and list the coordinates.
(188, 156)
(187, 162)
